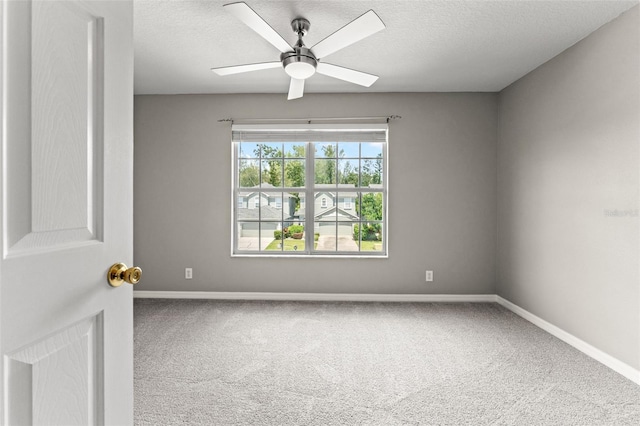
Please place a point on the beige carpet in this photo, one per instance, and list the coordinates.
(300, 363)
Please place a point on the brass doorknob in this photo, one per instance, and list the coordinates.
(119, 273)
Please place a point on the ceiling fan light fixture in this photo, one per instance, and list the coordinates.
(300, 70)
(299, 64)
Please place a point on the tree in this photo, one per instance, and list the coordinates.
(377, 170)
(370, 206)
(249, 174)
(366, 174)
(369, 232)
(273, 158)
(348, 174)
(294, 174)
(326, 168)
(294, 169)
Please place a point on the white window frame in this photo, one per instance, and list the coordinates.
(310, 191)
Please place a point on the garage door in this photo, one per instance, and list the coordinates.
(250, 229)
(329, 228)
(344, 229)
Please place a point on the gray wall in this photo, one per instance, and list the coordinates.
(567, 159)
(442, 172)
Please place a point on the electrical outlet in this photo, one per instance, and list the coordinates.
(429, 276)
(188, 273)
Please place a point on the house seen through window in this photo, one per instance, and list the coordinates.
(310, 190)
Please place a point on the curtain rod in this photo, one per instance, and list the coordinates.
(308, 120)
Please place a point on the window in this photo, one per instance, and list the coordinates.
(341, 170)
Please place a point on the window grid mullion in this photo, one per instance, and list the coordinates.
(260, 200)
(309, 202)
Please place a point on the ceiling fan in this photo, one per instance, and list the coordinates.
(300, 62)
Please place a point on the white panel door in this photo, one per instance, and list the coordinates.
(66, 336)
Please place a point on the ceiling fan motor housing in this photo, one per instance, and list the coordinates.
(300, 63)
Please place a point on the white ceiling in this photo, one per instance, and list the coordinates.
(428, 46)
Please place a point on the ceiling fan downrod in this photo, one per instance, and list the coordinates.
(301, 27)
(301, 63)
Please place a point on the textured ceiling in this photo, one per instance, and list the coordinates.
(428, 46)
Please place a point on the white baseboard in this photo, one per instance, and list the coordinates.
(595, 353)
(584, 347)
(321, 297)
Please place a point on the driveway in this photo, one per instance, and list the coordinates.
(328, 243)
(253, 243)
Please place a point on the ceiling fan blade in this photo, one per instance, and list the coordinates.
(247, 15)
(237, 69)
(296, 89)
(346, 74)
(354, 31)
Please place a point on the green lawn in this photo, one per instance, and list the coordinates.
(289, 245)
(370, 245)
